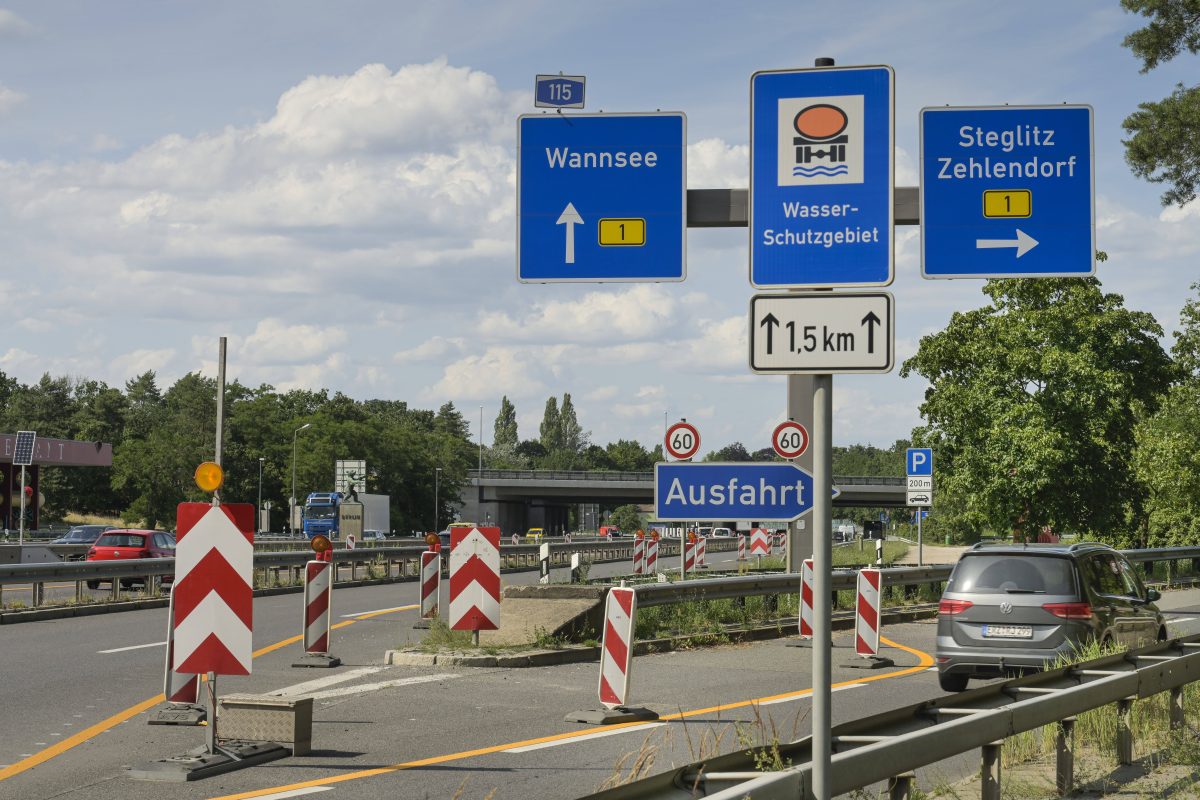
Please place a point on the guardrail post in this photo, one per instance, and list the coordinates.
(353, 569)
(1124, 732)
(1175, 708)
(989, 771)
(39, 593)
(78, 592)
(116, 589)
(1064, 757)
(900, 787)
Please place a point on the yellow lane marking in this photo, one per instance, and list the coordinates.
(924, 662)
(58, 748)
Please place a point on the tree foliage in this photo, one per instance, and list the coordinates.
(1031, 402)
(1164, 142)
(504, 432)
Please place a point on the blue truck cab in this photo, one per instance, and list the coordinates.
(321, 514)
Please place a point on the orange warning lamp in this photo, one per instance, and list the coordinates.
(209, 476)
(434, 541)
(322, 547)
(692, 536)
(654, 535)
(641, 534)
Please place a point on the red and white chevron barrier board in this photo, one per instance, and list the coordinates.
(639, 555)
(474, 579)
(651, 556)
(178, 687)
(214, 588)
(806, 599)
(700, 562)
(689, 556)
(431, 583)
(620, 611)
(760, 542)
(318, 599)
(741, 547)
(866, 616)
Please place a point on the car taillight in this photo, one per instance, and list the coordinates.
(91, 552)
(1069, 610)
(951, 607)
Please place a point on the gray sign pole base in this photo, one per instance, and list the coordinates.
(421, 624)
(179, 714)
(319, 660)
(869, 662)
(611, 716)
(199, 764)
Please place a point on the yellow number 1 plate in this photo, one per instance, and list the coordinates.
(622, 232)
(1008, 203)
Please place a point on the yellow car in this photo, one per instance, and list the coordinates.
(535, 534)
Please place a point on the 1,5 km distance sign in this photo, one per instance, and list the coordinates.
(1007, 192)
(682, 441)
(790, 439)
(821, 332)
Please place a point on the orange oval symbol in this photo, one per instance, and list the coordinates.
(821, 121)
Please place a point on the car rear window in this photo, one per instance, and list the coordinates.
(122, 540)
(1012, 573)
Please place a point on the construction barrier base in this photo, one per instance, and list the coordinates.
(869, 662)
(421, 625)
(179, 714)
(611, 716)
(318, 660)
(199, 764)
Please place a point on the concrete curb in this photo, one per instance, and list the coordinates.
(576, 655)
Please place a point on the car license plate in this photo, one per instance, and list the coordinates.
(1008, 631)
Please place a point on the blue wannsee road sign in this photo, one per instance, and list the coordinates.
(558, 91)
(919, 461)
(726, 490)
(821, 176)
(1007, 192)
(601, 197)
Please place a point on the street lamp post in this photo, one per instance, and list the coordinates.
(292, 505)
(258, 509)
(437, 474)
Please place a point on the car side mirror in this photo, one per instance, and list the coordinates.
(1153, 595)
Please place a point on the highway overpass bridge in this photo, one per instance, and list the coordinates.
(520, 499)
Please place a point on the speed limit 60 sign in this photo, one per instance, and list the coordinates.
(682, 441)
(790, 439)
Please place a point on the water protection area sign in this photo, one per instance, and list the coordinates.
(821, 177)
(601, 197)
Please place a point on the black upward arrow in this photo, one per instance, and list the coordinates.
(770, 322)
(870, 320)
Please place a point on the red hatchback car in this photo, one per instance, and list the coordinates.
(124, 544)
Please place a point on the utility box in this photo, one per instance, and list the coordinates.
(266, 718)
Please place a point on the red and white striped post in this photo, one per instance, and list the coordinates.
(741, 547)
(431, 583)
(639, 553)
(866, 618)
(806, 599)
(651, 557)
(783, 541)
(318, 602)
(700, 561)
(616, 662)
(181, 690)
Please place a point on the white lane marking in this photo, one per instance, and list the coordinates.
(330, 680)
(372, 687)
(1180, 619)
(131, 647)
(381, 611)
(932, 669)
(808, 695)
(586, 737)
(294, 793)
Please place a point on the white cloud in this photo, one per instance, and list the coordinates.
(274, 343)
(516, 372)
(434, 349)
(137, 362)
(13, 25)
(638, 313)
(9, 99)
(722, 345)
(714, 164)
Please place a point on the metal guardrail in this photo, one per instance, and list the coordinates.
(612, 475)
(889, 746)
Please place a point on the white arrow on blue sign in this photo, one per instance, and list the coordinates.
(778, 491)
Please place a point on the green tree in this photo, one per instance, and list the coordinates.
(504, 432)
(550, 432)
(1164, 142)
(627, 518)
(730, 452)
(1030, 402)
(628, 455)
(572, 437)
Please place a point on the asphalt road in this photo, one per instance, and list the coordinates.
(391, 732)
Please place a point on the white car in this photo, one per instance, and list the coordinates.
(722, 533)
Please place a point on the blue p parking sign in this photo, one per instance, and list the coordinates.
(919, 461)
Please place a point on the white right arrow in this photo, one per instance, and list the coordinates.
(570, 217)
(1024, 243)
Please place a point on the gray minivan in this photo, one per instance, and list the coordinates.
(1009, 608)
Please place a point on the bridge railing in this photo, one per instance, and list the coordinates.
(613, 475)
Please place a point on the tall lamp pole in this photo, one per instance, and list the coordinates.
(292, 507)
(437, 474)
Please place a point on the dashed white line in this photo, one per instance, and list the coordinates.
(295, 793)
(808, 695)
(585, 738)
(321, 683)
(1180, 619)
(131, 647)
(372, 687)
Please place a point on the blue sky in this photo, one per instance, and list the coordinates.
(332, 187)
